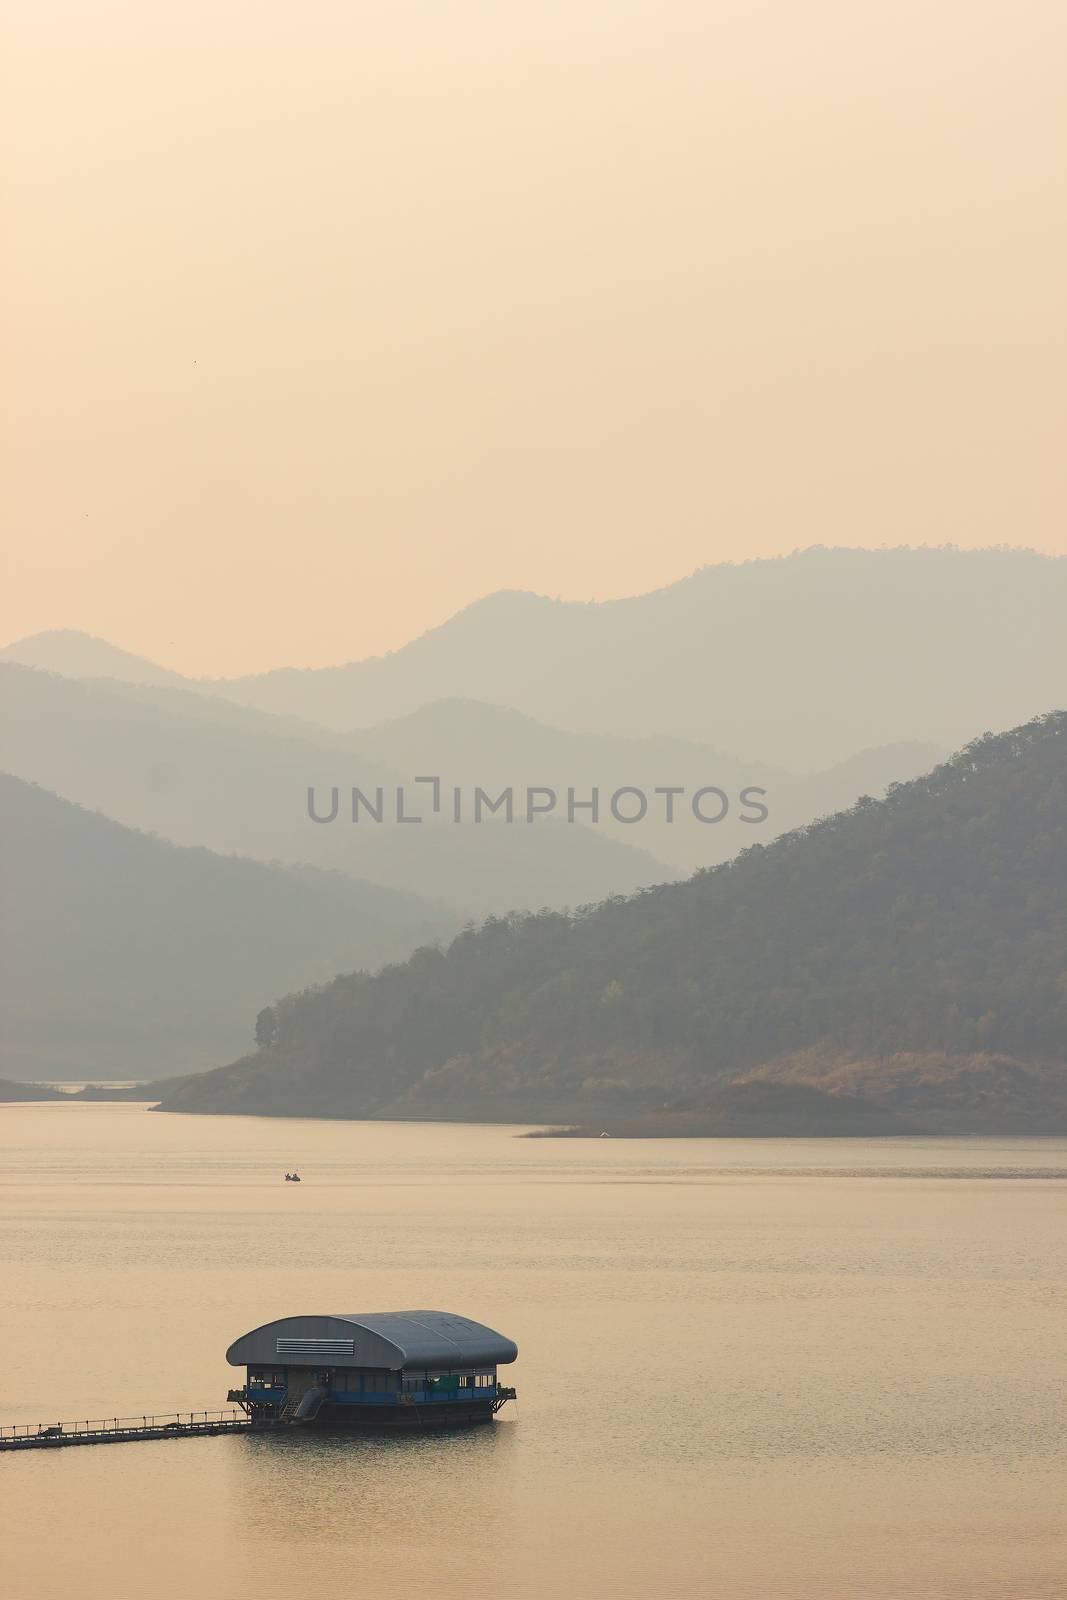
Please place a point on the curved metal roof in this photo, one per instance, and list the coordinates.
(390, 1339)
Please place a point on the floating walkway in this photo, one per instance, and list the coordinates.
(116, 1430)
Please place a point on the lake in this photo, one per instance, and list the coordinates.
(747, 1368)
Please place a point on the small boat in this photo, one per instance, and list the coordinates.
(292, 1177)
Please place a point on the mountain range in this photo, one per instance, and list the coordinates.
(785, 691)
(201, 771)
(468, 740)
(909, 955)
(197, 769)
(797, 662)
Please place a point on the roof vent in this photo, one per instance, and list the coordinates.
(315, 1347)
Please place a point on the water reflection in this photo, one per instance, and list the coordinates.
(348, 1489)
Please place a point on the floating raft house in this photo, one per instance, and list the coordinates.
(379, 1369)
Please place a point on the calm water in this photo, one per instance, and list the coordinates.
(747, 1368)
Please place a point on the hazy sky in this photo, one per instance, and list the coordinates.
(326, 319)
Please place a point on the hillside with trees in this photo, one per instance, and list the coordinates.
(909, 953)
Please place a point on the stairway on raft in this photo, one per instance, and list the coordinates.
(303, 1400)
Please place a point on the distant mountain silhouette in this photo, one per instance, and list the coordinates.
(126, 957)
(908, 954)
(798, 662)
(83, 655)
(202, 771)
(27, 1091)
(468, 742)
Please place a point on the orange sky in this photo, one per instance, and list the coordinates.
(323, 321)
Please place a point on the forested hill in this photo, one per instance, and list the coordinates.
(929, 928)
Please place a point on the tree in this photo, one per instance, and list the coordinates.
(267, 1028)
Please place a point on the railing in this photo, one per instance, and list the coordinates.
(154, 1422)
(491, 1395)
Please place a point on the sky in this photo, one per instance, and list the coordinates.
(322, 321)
